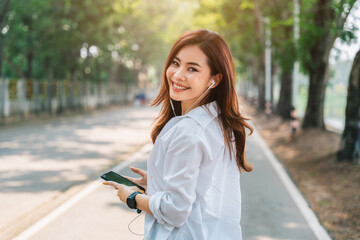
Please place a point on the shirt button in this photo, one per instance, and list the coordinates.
(151, 177)
(147, 238)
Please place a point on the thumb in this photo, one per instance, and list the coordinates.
(138, 171)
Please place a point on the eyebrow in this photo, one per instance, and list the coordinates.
(191, 63)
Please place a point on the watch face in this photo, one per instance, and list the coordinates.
(131, 203)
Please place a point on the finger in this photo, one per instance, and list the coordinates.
(131, 179)
(136, 189)
(113, 184)
(138, 170)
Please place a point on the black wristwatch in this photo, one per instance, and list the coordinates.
(131, 202)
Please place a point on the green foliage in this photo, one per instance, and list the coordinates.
(84, 38)
(283, 43)
(78, 39)
(321, 23)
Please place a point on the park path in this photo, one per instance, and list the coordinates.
(272, 207)
(44, 162)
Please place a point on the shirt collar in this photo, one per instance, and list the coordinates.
(204, 114)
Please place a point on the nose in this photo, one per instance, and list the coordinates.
(179, 73)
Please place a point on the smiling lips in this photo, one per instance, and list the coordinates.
(179, 87)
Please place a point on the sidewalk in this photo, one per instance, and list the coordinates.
(271, 209)
(272, 206)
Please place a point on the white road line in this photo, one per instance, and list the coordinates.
(299, 200)
(76, 198)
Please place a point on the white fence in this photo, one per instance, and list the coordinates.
(20, 97)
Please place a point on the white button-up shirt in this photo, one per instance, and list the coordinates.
(193, 182)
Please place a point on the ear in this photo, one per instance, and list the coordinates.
(217, 78)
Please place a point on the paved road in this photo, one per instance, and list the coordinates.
(269, 210)
(42, 161)
(99, 215)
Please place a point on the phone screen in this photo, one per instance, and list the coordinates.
(113, 176)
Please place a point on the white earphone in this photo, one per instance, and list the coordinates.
(212, 83)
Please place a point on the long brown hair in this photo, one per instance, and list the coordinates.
(220, 60)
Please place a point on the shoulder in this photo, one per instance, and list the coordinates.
(185, 132)
(189, 126)
(205, 114)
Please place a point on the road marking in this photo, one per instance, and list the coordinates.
(295, 194)
(32, 230)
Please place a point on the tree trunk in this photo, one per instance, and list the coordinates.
(260, 60)
(261, 83)
(29, 60)
(350, 142)
(258, 75)
(324, 19)
(319, 53)
(284, 104)
(30, 53)
(1, 55)
(314, 114)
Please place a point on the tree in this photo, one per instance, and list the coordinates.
(66, 39)
(4, 7)
(242, 26)
(284, 52)
(350, 141)
(322, 22)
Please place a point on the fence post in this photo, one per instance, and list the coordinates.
(79, 94)
(21, 97)
(61, 93)
(96, 95)
(49, 95)
(5, 106)
(88, 91)
(71, 94)
(36, 97)
(1, 97)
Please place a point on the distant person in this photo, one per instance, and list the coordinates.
(193, 173)
(142, 98)
(137, 101)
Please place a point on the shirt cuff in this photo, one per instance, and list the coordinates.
(155, 207)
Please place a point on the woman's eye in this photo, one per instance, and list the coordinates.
(193, 69)
(175, 63)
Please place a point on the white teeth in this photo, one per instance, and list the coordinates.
(178, 87)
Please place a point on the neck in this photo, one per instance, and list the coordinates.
(186, 107)
(185, 110)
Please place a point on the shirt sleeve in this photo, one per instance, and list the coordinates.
(172, 206)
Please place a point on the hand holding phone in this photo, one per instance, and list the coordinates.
(115, 177)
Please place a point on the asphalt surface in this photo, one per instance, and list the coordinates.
(268, 210)
(44, 162)
(59, 161)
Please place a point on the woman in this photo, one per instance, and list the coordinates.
(193, 174)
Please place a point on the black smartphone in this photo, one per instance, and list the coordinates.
(113, 176)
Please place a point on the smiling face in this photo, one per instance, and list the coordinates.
(189, 75)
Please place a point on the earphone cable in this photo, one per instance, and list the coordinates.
(196, 100)
(137, 234)
(172, 106)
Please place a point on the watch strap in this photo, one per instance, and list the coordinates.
(131, 202)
